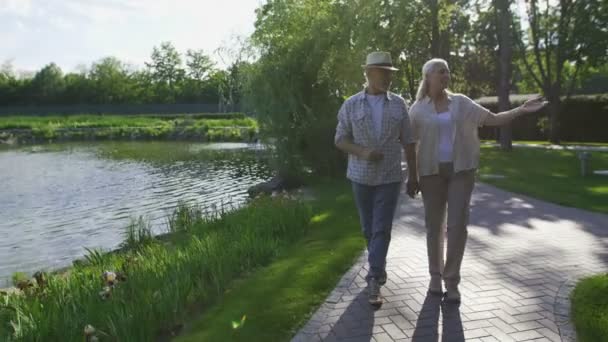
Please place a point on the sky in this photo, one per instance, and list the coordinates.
(73, 33)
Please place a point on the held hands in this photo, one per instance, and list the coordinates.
(372, 155)
(533, 105)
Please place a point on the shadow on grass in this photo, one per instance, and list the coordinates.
(279, 298)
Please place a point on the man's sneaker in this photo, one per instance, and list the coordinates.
(373, 287)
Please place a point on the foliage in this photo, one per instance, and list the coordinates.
(590, 308)
(144, 293)
(227, 127)
(585, 116)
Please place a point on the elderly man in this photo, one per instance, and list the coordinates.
(373, 128)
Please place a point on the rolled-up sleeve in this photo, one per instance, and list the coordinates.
(475, 113)
(344, 128)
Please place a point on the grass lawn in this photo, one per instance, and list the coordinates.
(97, 121)
(227, 127)
(563, 143)
(590, 309)
(279, 298)
(549, 175)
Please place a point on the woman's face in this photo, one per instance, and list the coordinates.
(439, 78)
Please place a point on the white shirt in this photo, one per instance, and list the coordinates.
(467, 116)
(376, 102)
(446, 137)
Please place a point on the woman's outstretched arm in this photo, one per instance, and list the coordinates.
(503, 118)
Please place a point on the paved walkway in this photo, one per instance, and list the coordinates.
(557, 147)
(523, 256)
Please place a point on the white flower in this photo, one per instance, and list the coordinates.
(109, 277)
(89, 330)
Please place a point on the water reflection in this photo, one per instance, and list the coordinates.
(58, 199)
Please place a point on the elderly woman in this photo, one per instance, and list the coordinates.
(445, 125)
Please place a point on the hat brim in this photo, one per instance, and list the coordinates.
(385, 67)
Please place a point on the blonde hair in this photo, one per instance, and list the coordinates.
(427, 68)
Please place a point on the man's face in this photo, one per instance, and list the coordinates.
(379, 79)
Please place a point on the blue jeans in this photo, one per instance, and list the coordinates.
(376, 206)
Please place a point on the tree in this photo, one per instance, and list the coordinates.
(504, 20)
(238, 73)
(166, 70)
(48, 85)
(143, 87)
(310, 60)
(304, 48)
(7, 83)
(198, 73)
(111, 81)
(78, 89)
(199, 65)
(561, 35)
(478, 55)
(593, 80)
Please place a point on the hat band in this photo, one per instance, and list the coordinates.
(381, 64)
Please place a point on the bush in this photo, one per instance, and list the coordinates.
(83, 127)
(590, 308)
(318, 149)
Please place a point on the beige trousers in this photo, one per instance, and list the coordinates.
(451, 190)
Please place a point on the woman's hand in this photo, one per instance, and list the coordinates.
(533, 105)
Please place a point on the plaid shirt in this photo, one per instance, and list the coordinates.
(355, 123)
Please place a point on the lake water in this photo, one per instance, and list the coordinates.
(58, 199)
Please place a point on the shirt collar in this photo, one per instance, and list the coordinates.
(450, 97)
(361, 95)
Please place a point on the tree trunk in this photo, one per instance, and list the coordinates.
(435, 37)
(554, 108)
(505, 70)
(412, 86)
(444, 51)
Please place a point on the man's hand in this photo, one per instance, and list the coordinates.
(372, 155)
(412, 188)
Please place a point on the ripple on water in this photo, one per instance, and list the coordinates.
(59, 199)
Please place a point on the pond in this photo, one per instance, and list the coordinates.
(59, 199)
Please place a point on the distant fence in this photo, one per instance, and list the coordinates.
(122, 109)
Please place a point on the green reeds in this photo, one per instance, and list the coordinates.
(147, 290)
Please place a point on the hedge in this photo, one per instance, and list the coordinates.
(583, 118)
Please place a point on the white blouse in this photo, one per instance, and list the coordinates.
(446, 137)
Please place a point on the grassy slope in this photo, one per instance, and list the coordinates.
(280, 298)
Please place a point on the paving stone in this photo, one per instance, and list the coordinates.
(517, 274)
